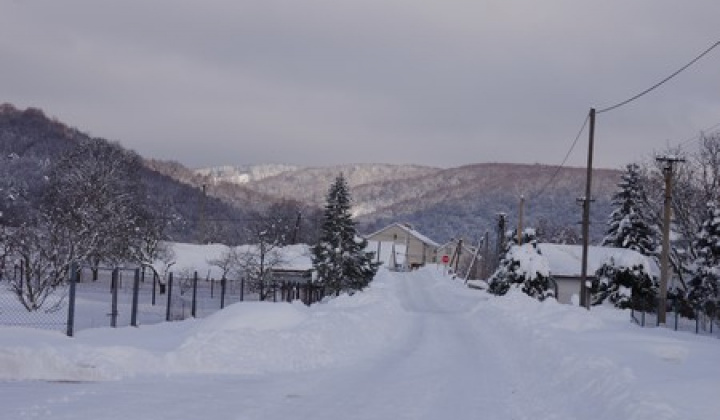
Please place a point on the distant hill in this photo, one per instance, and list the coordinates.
(447, 203)
(311, 184)
(30, 141)
(465, 201)
(442, 203)
(243, 174)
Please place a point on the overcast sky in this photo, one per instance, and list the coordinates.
(322, 82)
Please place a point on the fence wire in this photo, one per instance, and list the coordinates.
(38, 311)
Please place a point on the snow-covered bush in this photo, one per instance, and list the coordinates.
(624, 285)
(523, 267)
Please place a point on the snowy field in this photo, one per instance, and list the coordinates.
(413, 346)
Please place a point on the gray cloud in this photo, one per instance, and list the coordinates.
(319, 82)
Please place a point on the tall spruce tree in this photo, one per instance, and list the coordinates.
(628, 225)
(339, 258)
(704, 286)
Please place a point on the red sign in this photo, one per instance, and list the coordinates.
(445, 259)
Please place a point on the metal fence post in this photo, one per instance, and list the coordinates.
(169, 296)
(136, 292)
(193, 310)
(223, 285)
(155, 280)
(114, 309)
(71, 299)
(242, 289)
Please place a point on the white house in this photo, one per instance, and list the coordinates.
(565, 263)
(399, 246)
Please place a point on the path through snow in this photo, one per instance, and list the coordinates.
(415, 346)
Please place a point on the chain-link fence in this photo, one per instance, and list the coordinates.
(116, 297)
(679, 317)
(29, 303)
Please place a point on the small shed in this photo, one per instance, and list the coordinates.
(399, 246)
(565, 263)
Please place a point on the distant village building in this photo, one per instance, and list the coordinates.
(565, 263)
(399, 246)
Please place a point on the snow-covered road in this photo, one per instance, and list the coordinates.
(415, 346)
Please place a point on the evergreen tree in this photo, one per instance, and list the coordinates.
(704, 286)
(340, 259)
(628, 225)
(623, 286)
(523, 267)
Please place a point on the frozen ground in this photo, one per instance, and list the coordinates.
(414, 346)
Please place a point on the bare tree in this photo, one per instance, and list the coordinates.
(227, 262)
(44, 257)
(91, 211)
(257, 261)
(696, 182)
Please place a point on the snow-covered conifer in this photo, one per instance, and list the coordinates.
(704, 286)
(628, 225)
(339, 257)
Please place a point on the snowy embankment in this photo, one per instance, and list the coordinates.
(607, 366)
(245, 338)
(414, 345)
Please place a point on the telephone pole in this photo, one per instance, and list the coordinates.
(202, 235)
(500, 243)
(665, 256)
(584, 289)
(520, 219)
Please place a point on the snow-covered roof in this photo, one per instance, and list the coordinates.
(410, 231)
(566, 260)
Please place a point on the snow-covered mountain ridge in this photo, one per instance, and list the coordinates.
(441, 202)
(245, 173)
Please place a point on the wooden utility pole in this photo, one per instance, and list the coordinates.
(458, 254)
(584, 289)
(500, 236)
(486, 257)
(520, 220)
(296, 229)
(665, 256)
(201, 232)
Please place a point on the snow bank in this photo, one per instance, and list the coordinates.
(612, 368)
(244, 338)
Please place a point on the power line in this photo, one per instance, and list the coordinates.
(696, 137)
(660, 83)
(562, 164)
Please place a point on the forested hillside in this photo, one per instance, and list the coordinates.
(442, 203)
(447, 203)
(30, 142)
(465, 201)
